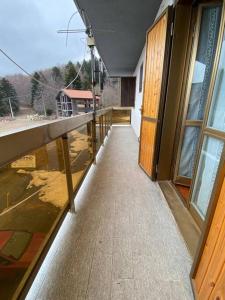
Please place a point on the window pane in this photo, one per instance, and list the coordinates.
(33, 195)
(217, 111)
(204, 61)
(188, 153)
(206, 174)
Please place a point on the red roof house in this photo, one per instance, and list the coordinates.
(72, 102)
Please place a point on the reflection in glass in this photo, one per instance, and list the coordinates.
(33, 194)
(188, 152)
(81, 154)
(217, 111)
(207, 42)
(206, 174)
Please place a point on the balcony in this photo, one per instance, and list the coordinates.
(118, 241)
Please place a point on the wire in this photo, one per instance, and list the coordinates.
(78, 73)
(26, 72)
(68, 25)
(42, 83)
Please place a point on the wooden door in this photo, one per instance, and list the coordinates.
(156, 71)
(209, 274)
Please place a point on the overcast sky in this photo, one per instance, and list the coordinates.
(28, 33)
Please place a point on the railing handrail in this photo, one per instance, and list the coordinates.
(17, 144)
(103, 111)
(121, 107)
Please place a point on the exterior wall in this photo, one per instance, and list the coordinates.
(112, 92)
(136, 113)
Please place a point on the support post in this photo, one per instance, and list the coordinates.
(69, 180)
(94, 139)
(93, 77)
(111, 116)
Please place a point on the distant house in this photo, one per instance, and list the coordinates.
(72, 102)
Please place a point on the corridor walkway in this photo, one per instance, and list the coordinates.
(123, 242)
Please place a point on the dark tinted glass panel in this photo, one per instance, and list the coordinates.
(80, 145)
(121, 116)
(33, 195)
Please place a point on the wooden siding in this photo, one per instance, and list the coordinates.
(210, 276)
(155, 56)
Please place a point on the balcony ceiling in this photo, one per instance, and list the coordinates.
(125, 23)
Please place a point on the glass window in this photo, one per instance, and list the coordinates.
(217, 111)
(189, 147)
(206, 174)
(208, 35)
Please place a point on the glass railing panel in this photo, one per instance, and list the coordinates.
(81, 153)
(33, 196)
(121, 116)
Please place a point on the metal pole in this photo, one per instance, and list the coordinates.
(11, 110)
(93, 77)
(94, 140)
(69, 179)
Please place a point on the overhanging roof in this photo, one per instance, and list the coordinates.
(119, 28)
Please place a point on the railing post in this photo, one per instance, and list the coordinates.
(103, 132)
(94, 138)
(69, 180)
(111, 118)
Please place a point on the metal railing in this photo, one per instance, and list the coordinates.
(41, 169)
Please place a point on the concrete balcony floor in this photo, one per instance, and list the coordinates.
(123, 242)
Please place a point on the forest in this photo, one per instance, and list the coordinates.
(24, 93)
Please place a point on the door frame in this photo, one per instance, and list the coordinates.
(190, 63)
(169, 11)
(209, 219)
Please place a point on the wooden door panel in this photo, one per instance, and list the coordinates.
(218, 292)
(219, 216)
(155, 72)
(148, 141)
(156, 39)
(210, 274)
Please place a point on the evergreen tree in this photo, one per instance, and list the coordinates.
(7, 90)
(56, 74)
(35, 88)
(78, 83)
(70, 74)
(86, 84)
